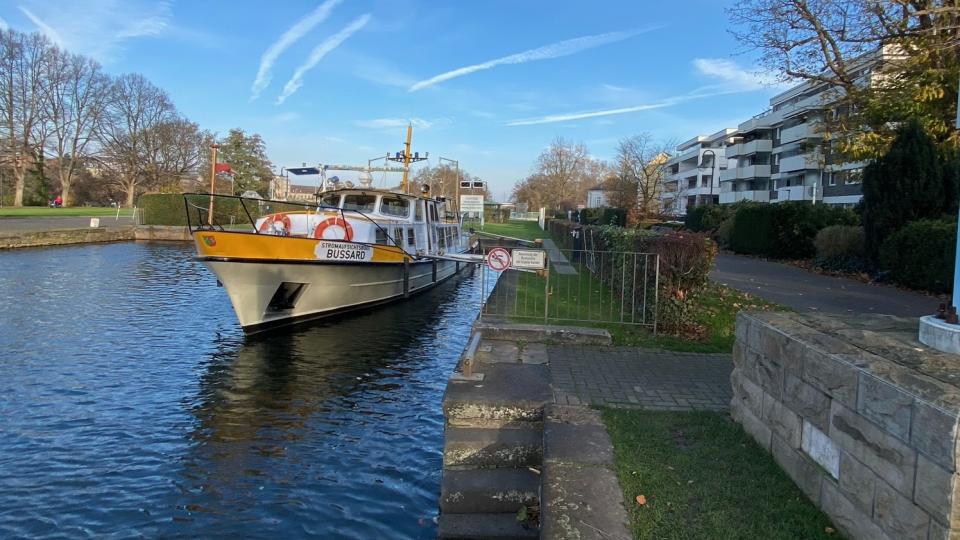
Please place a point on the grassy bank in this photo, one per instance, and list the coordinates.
(79, 211)
(525, 230)
(703, 477)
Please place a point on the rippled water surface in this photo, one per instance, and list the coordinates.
(131, 405)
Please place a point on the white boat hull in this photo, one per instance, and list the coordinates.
(328, 289)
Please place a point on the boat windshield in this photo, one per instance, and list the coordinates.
(362, 203)
(395, 206)
(331, 200)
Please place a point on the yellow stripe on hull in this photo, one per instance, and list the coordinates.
(247, 246)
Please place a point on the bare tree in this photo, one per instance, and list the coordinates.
(74, 108)
(132, 133)
(640, 168)
(24, 85)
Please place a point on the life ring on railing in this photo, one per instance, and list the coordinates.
(270, 225)
(338, 223)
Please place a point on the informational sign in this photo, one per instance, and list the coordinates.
(342, 252)
(498, 259)
(471, 203)
(530, 259)
(94, 222)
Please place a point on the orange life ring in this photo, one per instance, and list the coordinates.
(267, 225)
(331, 222)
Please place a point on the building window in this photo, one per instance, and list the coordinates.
(854, 176)
(831, 179)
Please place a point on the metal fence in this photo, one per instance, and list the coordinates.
(613, 287)
(525, 216)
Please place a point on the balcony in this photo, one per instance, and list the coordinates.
(794, 193)
(730, 197)
(799, 132)
(752, 147)
(799, 163)
(745, 173)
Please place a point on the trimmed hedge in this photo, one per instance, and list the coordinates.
(169, 209)
(922, 254)
(604, 216)
(685, 262)
(784, 230)
(841, 247)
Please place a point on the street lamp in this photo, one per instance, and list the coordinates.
(713, 166)
(456, 164)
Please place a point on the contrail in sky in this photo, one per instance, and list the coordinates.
(554, 50)
(669, 102)
(45, 28)
(331, 43)
(291, 36)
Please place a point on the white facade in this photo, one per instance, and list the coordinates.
(596, 198)
(692, 176)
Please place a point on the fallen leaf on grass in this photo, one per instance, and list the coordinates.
(641, 500)
(829, 530)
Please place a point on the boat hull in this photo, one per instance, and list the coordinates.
(327, 289)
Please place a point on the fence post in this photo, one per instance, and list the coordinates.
(546, 295)
(656, 295)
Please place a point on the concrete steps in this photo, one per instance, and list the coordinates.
(483, 448)
(493, 437)
(489, 491)
(484, 527)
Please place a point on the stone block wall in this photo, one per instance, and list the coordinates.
(860, 415)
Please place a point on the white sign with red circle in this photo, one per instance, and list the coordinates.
(498, 259)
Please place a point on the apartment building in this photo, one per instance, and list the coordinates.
(692, 175)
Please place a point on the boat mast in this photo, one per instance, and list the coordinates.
(407, 158)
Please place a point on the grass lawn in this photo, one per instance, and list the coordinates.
(704, 477)
(525, 230)
(73, 211)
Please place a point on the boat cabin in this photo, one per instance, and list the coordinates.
(369, 216)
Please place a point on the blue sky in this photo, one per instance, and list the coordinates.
(487, 83)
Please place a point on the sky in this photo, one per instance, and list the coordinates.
(487, 83)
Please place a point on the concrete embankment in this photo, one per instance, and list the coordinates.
(515, 464)
(91, 235)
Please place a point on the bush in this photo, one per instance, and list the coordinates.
(604, 216)
(784, 230)
(922, 254)
(841, 247)
(169, 209)
(694, 219)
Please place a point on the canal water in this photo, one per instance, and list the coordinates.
(132, 406)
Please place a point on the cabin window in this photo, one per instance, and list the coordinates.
(330, 200)
(381, 236)
(411, 237)
(442, 244)
(395, 206)
(419, 207)
(433, 212)
(359, 202)
(399, 236)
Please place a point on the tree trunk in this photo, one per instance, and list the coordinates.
(131, 193)
(18, 175)
(65, 192)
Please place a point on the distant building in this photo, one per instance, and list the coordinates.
(596, 197)
(279, 188)
(302, 193)
(692, 176)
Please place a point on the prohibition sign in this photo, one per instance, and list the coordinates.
(498, 259)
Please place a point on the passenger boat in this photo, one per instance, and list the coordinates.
(355, 247)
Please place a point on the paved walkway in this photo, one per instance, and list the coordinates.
(800, 289)
(640, 378)
(558, 259)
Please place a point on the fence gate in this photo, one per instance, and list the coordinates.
(610, 287)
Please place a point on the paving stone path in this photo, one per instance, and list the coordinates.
(640, 378)
(557, 259)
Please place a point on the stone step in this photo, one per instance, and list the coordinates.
(509, 395)
(480, 448)
(484, 491)
(484, 527)
(538, 333)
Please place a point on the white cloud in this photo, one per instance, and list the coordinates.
(328, 45)
(729, 72)
(699, 93)
(288, 38)
(391, 123)
(554, 50)
(285, 117)
(98, 28)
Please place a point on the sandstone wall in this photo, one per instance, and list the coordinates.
(860, 414)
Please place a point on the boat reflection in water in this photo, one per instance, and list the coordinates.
(332, 430)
